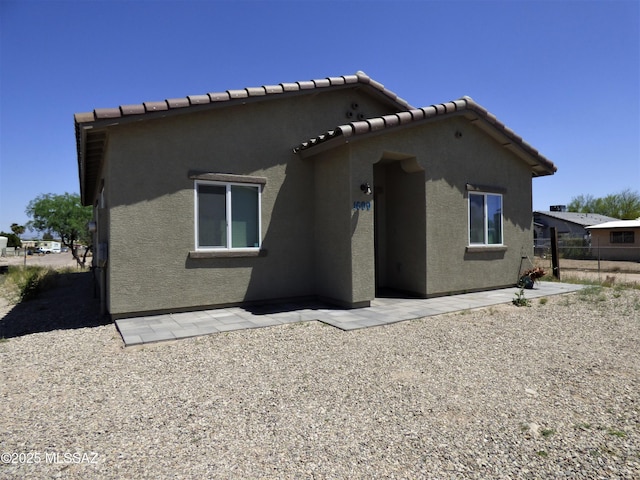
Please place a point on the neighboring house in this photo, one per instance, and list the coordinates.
(618, 240)
(47, 246)
(334, 189)
(571, 224)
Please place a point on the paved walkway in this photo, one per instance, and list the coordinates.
(383, 311)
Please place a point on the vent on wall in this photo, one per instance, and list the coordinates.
(353, 112)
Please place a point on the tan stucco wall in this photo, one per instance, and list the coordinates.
(316, 243)
(333, 226)
(151, 202)
(450, 162)
(602, 247)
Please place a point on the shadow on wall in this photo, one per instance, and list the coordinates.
(288, 268)
(70, 304)
(285, 267)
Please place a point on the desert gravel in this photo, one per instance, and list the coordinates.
(549, 391)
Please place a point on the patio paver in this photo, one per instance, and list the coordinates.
(383, 311)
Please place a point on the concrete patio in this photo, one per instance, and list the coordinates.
(383, 311)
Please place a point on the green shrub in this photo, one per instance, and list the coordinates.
(520, 300)
(574, 248)
(22, 284)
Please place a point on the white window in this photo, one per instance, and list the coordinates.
(227, 215)
(485, 219)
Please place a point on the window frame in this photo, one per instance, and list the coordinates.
(622, 237)
(228, 216)
(485, 220)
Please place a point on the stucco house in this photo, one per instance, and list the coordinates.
(334, 189)
(617, 240)
(573, 224)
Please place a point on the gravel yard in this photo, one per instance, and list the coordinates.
(550, 391)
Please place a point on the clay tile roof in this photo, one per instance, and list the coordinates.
(84, 117)
(132, 109)
(178, 102)
(156, 106)
(107, 112)
(324, 82)
(256, 91)
(198, 99)
(336, 80)
(273, 89)
(219, 96)
(231, 95)
(238, 93)
(463, 106)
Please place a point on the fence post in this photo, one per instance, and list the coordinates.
(599, 279)
(555, 263)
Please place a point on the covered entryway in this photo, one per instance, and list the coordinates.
(399, 227)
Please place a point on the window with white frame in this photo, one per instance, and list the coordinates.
(485, 219)
(227, 215)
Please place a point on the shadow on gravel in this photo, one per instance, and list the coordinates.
(70, 303)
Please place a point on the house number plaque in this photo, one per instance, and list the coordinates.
(362, 205)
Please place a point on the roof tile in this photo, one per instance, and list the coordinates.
(405, 117)
(150, 107)
(107, 112)
(155, 106)
(450, 107)
(323, 82)
(417, 113)
(545, 166)
(360, 127)
(219, 96)
(460, 103)
(273, 89)
(84, 117)
(352, 79)
(362, 77)
(345, 130)
(429, 111)
(290, 86)
(256, 91)
(375, 84)
(178, 102)
(199, 99)
(307, 85)
(336, 80)
(376, 124)
(132, 109)
(238, 93)
(391, 120)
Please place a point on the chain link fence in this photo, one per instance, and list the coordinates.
(579, 256)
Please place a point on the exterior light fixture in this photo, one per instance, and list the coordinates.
(366, 188)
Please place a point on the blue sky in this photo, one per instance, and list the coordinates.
(564, 75)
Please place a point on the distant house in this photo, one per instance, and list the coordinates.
(617, 240)
(572, 224)
(334, 189)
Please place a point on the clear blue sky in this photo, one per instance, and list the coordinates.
(565, 75)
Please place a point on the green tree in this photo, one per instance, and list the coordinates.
(63, 215)
(624, 205)
(14, 238)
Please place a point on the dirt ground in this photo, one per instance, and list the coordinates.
(53, 260)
